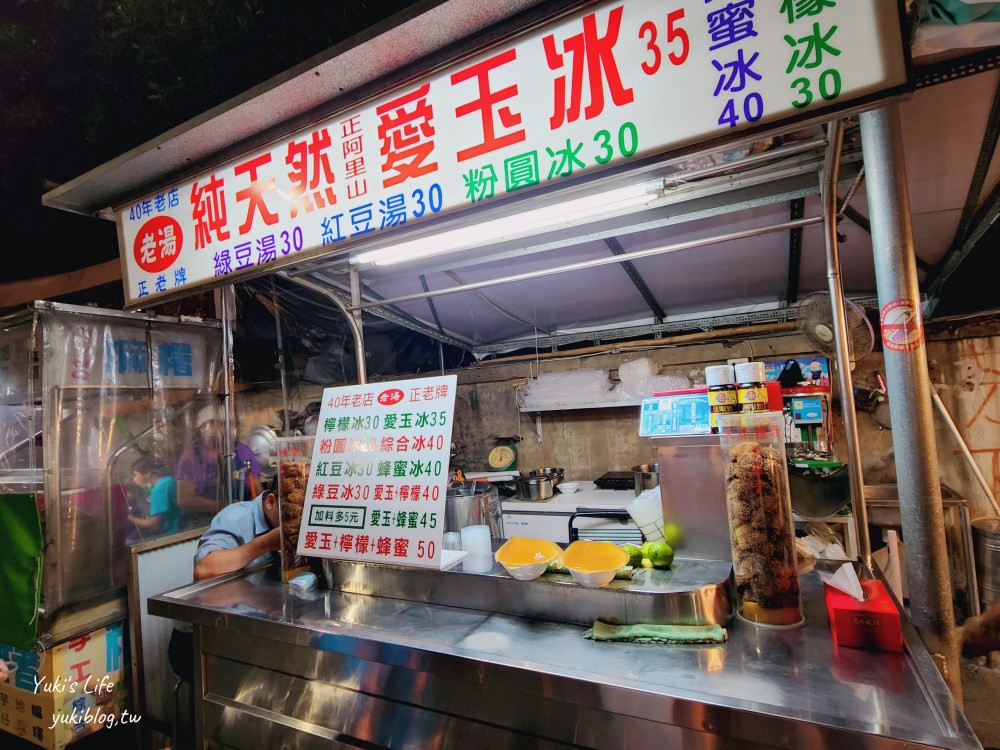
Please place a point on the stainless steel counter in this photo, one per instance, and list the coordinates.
(326, 668)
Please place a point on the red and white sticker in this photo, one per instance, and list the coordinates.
(902, 326)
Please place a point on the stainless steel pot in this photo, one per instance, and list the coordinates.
(472, 504)
(534, 489)
(647, 476)
(557, 474)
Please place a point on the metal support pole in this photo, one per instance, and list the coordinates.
(831, 171)
(909, 389)
(359, 325)
(359, 344)
(227, 308)
(281, 360)
(966, 453)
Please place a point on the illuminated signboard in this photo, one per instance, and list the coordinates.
(612, 83)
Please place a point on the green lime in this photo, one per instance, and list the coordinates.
(645, 548)
(634, 555)
(672, 534)
(646, 563)
(661, 554)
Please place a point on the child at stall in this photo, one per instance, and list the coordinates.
(164, 516)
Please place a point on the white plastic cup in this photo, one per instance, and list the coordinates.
(452, 540)
(647, 512)
(476, 563)
(476, 540)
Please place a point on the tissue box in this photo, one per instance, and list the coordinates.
(872, 624)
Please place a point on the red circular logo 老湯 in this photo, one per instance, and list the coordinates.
(157, 244)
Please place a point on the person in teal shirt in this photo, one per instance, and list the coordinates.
(164, 516)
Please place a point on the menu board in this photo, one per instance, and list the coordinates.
(379, 474)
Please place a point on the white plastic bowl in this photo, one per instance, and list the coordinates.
(527, 572)
(594, 580)
(539, 552)
(568, 488)
(579, 560)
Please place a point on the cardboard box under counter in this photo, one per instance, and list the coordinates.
(871, 624)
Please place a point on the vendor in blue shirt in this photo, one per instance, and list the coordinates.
(240, 534)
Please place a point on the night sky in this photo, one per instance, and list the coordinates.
(84, 81)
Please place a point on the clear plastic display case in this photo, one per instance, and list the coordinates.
(761, 527)
(294, 460)
(86, 396)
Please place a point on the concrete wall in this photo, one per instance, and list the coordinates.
(964, 365)
(588, 442)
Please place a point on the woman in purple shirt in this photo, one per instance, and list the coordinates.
(200, 475)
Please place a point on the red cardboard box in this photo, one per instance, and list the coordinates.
(872, 624)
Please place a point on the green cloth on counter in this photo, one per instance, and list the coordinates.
(602, 631)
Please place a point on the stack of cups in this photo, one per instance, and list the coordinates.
(647, 512)
(452, 540)
(476, 541)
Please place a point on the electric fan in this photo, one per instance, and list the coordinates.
(815, 322)
(818, 480)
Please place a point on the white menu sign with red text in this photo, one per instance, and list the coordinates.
(379, 475)
(609, 84)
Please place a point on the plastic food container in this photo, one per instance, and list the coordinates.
(526, 559)
(294, 459)
(593, 564)
(761, 529)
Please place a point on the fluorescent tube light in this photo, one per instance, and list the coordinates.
(568, 213)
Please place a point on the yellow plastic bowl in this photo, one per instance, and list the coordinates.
(593, 564)
(526, 559)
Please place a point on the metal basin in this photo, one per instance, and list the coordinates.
(882, 502)
(876, 493)
(818, 495)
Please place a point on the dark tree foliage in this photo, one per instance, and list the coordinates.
(84, 81)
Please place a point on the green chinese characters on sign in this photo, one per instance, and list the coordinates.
(480, 184)
(809, 53)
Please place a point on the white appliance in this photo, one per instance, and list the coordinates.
(550, 519)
